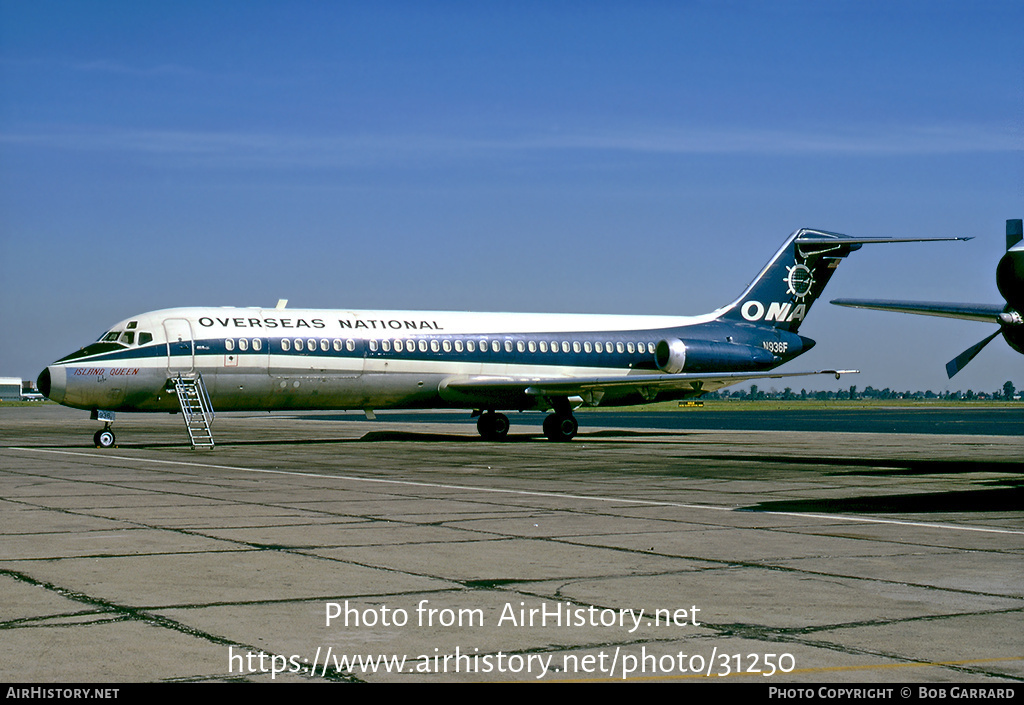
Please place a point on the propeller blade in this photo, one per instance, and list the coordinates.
(961, 360)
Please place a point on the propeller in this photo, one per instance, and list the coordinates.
(961, 360)
(1010, 280)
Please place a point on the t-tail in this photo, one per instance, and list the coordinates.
(782, 294)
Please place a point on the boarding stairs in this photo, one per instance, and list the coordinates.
(196, 409)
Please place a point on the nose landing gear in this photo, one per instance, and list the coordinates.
(104, 438)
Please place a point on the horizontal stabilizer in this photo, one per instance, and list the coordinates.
(986, 313)
(825, 237)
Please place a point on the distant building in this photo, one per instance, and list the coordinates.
(10, 389)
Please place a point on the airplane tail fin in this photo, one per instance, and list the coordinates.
(1014, 232)
(782, 294)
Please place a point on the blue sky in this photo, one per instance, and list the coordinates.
(553, 156)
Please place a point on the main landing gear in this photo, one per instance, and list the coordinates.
(559, 426)
(492, 426)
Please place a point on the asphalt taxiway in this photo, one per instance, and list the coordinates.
(304, 548)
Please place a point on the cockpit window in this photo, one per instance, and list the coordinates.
(145, 338)
(111, 336)
(131, 325)
(128, 337)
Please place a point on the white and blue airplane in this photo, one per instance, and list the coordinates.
(196, 359)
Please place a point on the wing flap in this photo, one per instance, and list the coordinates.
(594, 387)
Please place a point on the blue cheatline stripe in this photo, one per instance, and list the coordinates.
(614, 360)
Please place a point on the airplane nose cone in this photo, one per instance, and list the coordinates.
(43, 383)
(1010, 278)
(51, 383)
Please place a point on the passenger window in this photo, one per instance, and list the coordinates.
(618, 347)
(337, 345)
(373, 346)
(311, 345)
(422, 346)
(434, 346)
(630, 348)
(257, 344)
(399, 346)
(229, 345)
(495, 346)
(243, 344)
(576, 346)
(459, 346)
(385, 345)
(543, 346)
(286, 345)
(565, 346)
(470, 346)
(508, 346)
(298, 344)
(532, 345)
(350, 345)
(598, 347)
(587, 347)
(446, 345)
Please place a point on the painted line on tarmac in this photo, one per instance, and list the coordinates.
(527, 493)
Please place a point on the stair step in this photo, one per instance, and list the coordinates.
(196, 409)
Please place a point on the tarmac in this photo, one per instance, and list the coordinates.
(309, 549)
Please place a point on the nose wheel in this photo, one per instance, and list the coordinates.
(104, 438)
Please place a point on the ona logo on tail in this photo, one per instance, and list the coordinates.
(799, 280)
(782, 312)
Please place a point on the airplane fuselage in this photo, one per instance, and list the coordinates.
(258, 359)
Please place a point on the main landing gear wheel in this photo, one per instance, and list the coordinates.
(492, 426)
(104, 438)
(560, 428)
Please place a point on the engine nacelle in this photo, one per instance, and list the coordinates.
(673, 356)
(670, 355)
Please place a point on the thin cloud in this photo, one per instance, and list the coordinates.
(227, 149)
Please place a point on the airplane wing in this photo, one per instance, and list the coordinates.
(986, 313)
(591, 389)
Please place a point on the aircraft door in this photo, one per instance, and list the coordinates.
(181, 356)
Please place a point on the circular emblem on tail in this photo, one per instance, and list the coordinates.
(799, 280)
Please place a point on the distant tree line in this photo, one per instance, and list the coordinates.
(1007, 393)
